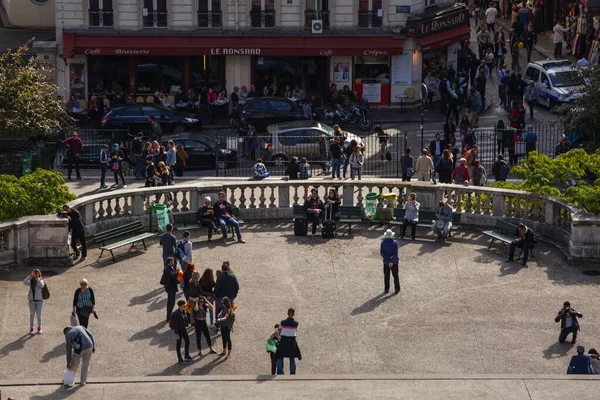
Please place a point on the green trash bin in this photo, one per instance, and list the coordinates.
(371, 200)
(162, 216)
(26, 162)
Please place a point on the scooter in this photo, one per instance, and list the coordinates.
(357, 115)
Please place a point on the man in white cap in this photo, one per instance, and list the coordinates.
(389, 252)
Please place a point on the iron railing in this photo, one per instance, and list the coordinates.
(369, 19)
(101, 17)
(310, 15)
(262, 19)
(210, 19)
(156, 19)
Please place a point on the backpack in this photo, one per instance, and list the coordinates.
(171, 320)
(180, 250)
(460, 178)
(504, 170)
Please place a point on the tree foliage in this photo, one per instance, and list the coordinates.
(573, 177)
(41, 192)
(28, 104)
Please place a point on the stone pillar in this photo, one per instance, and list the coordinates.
(549, 214)
(498, 205)
(347, 195)
(194, 199)
(88, 214)
(138, 204)
(283, 192)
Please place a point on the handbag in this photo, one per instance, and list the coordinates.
(45, 292)
(69, 377)
(115, 166)
(440, 223)
(271, 346)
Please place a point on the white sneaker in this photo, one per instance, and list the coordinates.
(115, 186)
(124, 186)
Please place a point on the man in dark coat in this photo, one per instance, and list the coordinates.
(523, 239)
(581, 363)
(226, 286)
(567, 317)
(313, 209)
(179, 324)
(169, 280)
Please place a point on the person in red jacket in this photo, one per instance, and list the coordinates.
(74, 146)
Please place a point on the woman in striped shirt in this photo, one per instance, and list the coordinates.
(84, 303)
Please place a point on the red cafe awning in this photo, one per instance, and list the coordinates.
(193, 46)
(443, 39)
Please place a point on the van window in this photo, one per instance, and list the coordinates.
(260, 105)
(280, 106)
(544, 79)
(311, 136)
(533, 74)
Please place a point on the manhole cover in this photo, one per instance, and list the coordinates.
(591, 272)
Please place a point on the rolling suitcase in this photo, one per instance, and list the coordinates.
(328, 230)
(300, 226)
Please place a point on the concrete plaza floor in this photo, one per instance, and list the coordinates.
(462, 311)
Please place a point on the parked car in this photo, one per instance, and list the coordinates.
(134, 117)
(298, 138)
(265, 111)
(88, 158)
(202, 150)
(557, 81)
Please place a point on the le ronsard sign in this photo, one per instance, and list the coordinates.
(438, 23)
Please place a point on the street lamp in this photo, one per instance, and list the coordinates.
(424, 95)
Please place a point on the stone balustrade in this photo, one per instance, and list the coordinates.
(575, 232)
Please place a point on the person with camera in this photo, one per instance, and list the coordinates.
(567, 317)
(36, 299)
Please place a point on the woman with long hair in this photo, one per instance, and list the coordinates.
(444, 167)
(225, 319)
(187, 276)
(207, 285)
(464, 126)
(181, 160)
(332, 200)
(356, 162)
(36, 299)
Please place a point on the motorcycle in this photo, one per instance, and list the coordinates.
(357, 115)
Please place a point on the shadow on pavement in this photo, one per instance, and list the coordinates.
(146, 298)
(57, 351)
(164, 339)
(62, 392)
(370, 304)
(15, 346)
(558, 350)
(206, 368)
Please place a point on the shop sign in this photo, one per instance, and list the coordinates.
(438, 24)
(222, 51)
(91, 52)
(118, 52)
(402, 9)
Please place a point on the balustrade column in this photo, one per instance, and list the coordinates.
(498, 205)
(549, 215)
(138, 204)
(283, 192)
(88, 214)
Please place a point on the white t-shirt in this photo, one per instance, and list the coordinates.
(568, 321)
(490, 15)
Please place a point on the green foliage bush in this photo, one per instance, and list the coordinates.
(573, 177)
(41, 192)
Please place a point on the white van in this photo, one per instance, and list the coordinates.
(557, 81)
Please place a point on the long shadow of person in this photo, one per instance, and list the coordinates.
(558, 350)
(370, 304)
(15, 346)
(62, 392)
(57, 351)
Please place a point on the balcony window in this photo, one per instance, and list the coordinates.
(101, 12)
(370, 13)
(155, 13)
(209, 14)
(262, 14)
(316, 10)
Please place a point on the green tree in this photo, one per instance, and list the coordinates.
(573, 177)
(38, 193)
(28, 104)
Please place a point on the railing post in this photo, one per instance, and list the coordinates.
(88, 214)
(498, 205)
(283, 192)
(194, 203)
(138, 204)
(549, 215)
(348, 195)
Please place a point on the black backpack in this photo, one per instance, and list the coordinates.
(443, 86)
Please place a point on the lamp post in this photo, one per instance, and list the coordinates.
(424, 95)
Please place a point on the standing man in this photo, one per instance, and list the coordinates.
(226, 286)
(443, 223)
(559, 37)
(74, 147)
(568, 322)
(169, 280)
(77, 232)
(179, 324)
(490, 17)
(502, 72)
(103, 166)
(313, 209)
(530, 39)
(155, 129)
(138, 148)
(336, 157)
(436, 147)
(171, 158)
(288, 347)
(523, 238)
(389, 252)
(186, 245)
(530, 138)
(531, 97)
(500, 169)
(80, 340)
(581, 363)
(168, 241)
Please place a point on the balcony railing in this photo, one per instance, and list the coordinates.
(310, 15)
(101, 18)
(210, 19)
(262, 19)
(369, 19)
(156, 19)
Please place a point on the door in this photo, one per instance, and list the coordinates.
(201, 154)
(545, 89)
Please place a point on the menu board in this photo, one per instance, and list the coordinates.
(372, 92)
(401, 69)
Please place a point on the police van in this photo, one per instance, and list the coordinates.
(557, 81)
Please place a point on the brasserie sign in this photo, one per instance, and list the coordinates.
(438, 23)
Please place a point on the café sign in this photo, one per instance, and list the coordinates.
(439, 23)
(222, 51)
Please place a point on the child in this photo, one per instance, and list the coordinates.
(272, 344)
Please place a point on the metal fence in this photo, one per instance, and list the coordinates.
(93, 140)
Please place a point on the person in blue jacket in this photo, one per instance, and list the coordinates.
(580, 363)
(389, 252)
(441, 227)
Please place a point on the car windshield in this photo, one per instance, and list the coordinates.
(567, 79)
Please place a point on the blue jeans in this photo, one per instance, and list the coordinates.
(103, 169)
(140, 164)
(354, 171)
(292, 366)
(564, 332)
(335, 167)
(436, 160)
(558, 50)
(231, 221)
(346, 163)
(526, 247)
(529, 50)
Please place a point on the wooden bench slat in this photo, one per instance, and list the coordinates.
(127, 241)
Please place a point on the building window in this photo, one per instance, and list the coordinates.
(262, 14)
(209, 14)
(370, 13)
(316, 10)
(207, 71)
(155, 13)
(163, 74)
(429, 3)
(101, 13)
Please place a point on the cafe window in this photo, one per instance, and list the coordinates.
(155, 13)
(372, 67)
(262, 14)
(108, 74)
(209, 14)
(370, 13)
(158, 74)
(434, 62)
(77, 80)
(101, 12)
(316, 10)
(207, 71)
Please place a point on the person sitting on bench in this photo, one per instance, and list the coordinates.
(523, 239)
(313, 208)
(224, 214)
(443, 223)
(206, 216)
(334, 202)
(259, 171)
